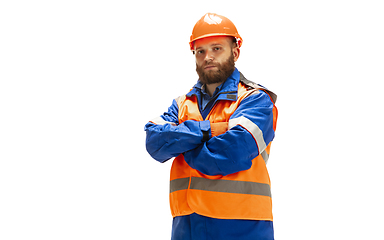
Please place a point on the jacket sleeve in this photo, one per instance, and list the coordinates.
(250, 130)
(166, 138)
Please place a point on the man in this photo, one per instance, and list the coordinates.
(220, 133)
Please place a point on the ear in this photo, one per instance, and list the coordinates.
(236, 53)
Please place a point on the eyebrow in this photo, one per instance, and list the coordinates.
(212, 45)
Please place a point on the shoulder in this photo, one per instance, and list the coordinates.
(257, 88)
(179, 100)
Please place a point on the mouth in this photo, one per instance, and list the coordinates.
(209, 67)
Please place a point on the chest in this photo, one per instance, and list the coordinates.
(221, 111)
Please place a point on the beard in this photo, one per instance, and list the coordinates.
(216, 76)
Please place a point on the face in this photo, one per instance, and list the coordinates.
(215, 58)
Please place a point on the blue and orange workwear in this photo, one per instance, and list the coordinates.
(221, 146)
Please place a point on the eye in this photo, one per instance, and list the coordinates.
(200, 51)
(216, 48)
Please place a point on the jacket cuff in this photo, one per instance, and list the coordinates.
(205, 128)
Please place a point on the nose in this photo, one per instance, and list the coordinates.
(209, 56)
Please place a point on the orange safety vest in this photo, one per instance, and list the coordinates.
(242, 195)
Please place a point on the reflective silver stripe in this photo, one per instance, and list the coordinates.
(219, 185)
(161, 121)
(265, 156)
(252, 128)
(230, 186)
(179, 184)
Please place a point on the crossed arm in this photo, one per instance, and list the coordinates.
(229, 147)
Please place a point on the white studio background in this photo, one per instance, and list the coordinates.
(80, 79)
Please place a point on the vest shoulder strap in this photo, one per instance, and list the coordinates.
(180, 99)
(252, 85)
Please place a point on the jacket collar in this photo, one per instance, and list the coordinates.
(228, 90)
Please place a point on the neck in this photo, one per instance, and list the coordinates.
(210, 88)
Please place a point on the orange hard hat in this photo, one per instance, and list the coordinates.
(212, 24)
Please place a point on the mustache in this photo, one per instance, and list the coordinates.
(210, 64)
